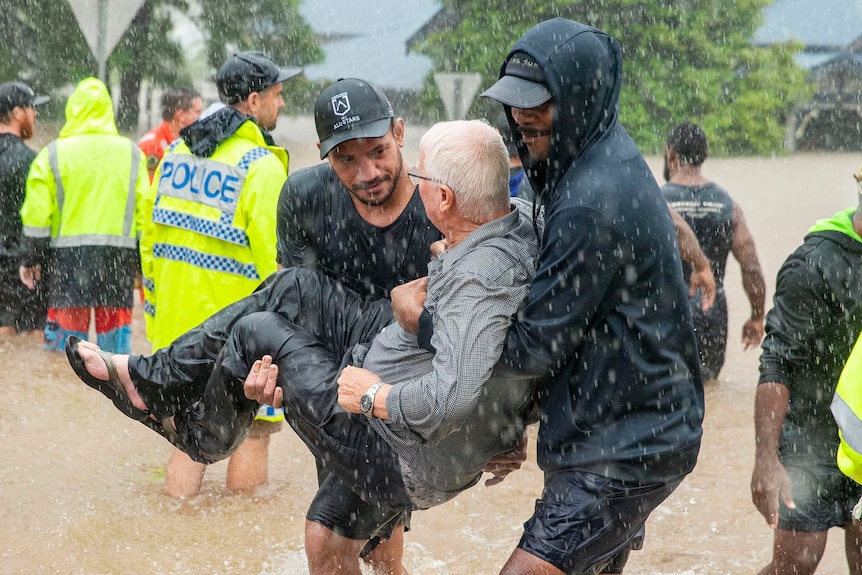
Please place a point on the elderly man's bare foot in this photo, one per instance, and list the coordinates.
(97, 367)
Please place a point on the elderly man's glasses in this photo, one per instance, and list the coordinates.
(415, 178)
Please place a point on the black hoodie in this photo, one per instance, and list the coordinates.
(204, 136)
(606, 323)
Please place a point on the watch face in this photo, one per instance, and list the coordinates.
(366, 404)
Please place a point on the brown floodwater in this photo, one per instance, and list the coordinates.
(81, 485)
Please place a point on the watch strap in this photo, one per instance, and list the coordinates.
(372, 391)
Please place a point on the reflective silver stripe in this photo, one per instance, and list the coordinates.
(55, 169)
(133, 181)
(849, 422)
(131, 202)
(32, 232)
(94, 240)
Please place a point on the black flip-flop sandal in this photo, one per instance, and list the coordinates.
(113, 389)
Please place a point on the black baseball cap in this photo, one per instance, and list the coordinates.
(247, 72)
(523, 84)
(350, 109)
(17, 94)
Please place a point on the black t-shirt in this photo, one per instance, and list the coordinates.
(15, 160)
(708, 209)
(319, 227)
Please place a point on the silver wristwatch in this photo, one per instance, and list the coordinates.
(366, 402)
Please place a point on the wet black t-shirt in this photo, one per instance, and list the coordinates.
(15, 160)
(708, 209)
(319, 227)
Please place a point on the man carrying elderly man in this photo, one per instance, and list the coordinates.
(396, 422)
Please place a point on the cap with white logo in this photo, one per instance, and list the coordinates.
(350, 109)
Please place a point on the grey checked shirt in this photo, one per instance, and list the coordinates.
(449, 413)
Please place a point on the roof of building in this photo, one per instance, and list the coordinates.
(368, 39)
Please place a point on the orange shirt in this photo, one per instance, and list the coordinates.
(153, 145)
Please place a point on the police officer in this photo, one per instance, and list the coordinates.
(209, 232)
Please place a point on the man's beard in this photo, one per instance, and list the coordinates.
(27, 130)
(381, 200)
(666, 172)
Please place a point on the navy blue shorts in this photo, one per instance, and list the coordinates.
(824, 496)
(337, 507)
(583, 521)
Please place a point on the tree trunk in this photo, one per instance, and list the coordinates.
(130, 80)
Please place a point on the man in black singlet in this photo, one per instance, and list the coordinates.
(720, 227)
(358, 219)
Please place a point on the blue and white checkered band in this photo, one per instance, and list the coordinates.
(205, 261)
(219, 230)
(202, 180)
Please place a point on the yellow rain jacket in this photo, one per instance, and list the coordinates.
(84, 193)
(209, 222)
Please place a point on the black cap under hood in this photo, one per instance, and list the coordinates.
(583, 70)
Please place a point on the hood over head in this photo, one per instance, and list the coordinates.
(89, 110)
(205, 135)
(582, 70)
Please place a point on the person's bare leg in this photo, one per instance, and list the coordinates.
(331, 554)
(249, 465)
(853, 547)
(796, 552)
(522, 563)
(387, 557)
(97, 368)
(183, 477)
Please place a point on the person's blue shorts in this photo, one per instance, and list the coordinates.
(824, 496)
(584, 520)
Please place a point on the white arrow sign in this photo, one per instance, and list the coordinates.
(103, 23)
(457, 92)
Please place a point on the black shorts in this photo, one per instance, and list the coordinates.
(710, 329)
(583, 521)
(21, 308)
(824, 496)
(337, 507)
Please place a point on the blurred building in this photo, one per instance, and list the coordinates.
(831, 33)
(368, 39)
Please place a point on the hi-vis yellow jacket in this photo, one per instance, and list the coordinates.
(847, 410)
(71, 197)
(208, 229)
(84, 194)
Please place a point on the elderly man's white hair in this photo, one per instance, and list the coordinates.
(470, 157)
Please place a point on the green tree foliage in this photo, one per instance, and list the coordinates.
(683, 60)
(44, 47)
(271, 26)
